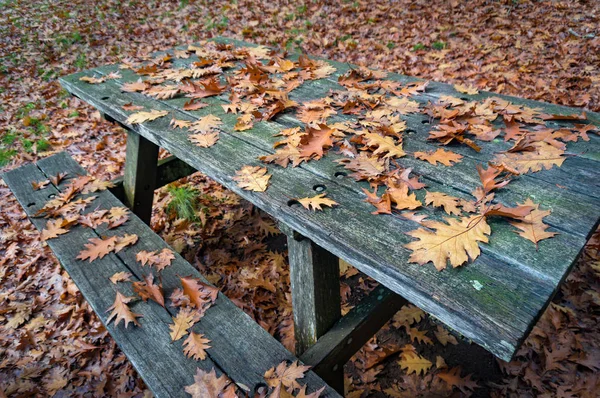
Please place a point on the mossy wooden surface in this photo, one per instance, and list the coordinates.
(495, 300)
(240, 348)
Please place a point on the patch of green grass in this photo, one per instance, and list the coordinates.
(418, 47)
(391, 45)
(73, 114)
(184, 201)
(5, 155)
(81, 61)
(438, 45)
(345, 37)
(27, 144)
(9, 138)
(302, 9)
(25, 109)
(42, 145)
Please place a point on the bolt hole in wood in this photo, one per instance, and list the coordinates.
(410, 132)
(51, 196)
(105, 98)
(319, 187)
(30, 204)
(293, 202)
(465, 99)
(425, 121)
(340, 174)
(260, 389)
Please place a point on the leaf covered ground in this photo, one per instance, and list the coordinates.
(52, 343)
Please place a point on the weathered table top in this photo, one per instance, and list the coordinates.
(494, 300)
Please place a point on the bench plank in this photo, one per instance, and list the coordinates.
(242, 349)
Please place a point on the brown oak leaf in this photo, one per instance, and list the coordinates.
(121, 311)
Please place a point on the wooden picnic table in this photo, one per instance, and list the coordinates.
(495, 300)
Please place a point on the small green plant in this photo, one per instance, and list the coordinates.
(391, 45)
(418, 47)
(24, 110)
(5, 155)
(438, 45)
(42, 145)
(74, 114)
(9, 138)
(81, 61)
(27, 144)
(184, 201)
(302, 9)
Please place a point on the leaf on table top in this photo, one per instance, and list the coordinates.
(93, 80)
(124, 241)
(382, 204)
(162, 92)
(253, 178)
(148, 290)
(532, 227)
(385, 145)
(208, 385)
(120, 277)
(134, 87)
(204, 140)
(121, 311)
(447, 158)
(316, 202)
(195, 346)
(456, 241)
(453, 379)
(400, 196)
(365, 167)
(206, 124)
(286, 375)
(283, 156)
(97, 248)
(466, 89)
(488, 178)
(141, 117)
(315, 141)
(544, 156)
(58, 178)
(403, 105)
(130, 107)
(244, 122)
(54, 228)
(160, 260)
(182, 323)
(39, 185)
(194, 105)
(439, 199)
(180, 124)
(414, 363)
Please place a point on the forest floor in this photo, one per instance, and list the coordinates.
(52, 344)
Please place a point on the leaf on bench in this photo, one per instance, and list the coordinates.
(253, 178)
(148, 290)
(195, 346)
(182, 323)
(207, 384)
(121, 311)
(141, 117)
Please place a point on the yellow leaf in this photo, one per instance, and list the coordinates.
(142, 117)
(205, 140)
(205, 124)
(413, 362)
(253, 178)
(463, 88)
(181, 324)
(195, 346)
(314, 203)
(385, 145)
(457, 241)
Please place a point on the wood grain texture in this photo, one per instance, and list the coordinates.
(240, 348)
(517, 280)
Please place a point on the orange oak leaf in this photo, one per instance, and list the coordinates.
(97, 248)
(316, 202)
(544, 156)
(148, 290)
(419, 335)
(253, 178)
(138, 86)
(208, 385)
(444, 337)
(54, 228)
(453, 378)
(121, 311)
(182, 323)
(385, 145)
(439, 199)
(160, 260)
(383, 204)
(205, 140)
(532, 227)
(466, 89)
(447, 158)
(400, 196)
(120, 277)
(316, 141)
(285, 374)
(124, 241)
(456, 241)
(206, 124)
(130, 107)
(195, 346)
(244, 122)
(199, 293)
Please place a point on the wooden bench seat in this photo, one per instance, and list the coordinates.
(494, 301)
(240, 348)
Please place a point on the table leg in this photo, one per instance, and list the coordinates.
(140, 175)
(315, 283)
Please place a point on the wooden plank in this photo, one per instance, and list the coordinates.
(487, 315)
(139, 179)
(241, 348)
(164, 368)
(351, 332)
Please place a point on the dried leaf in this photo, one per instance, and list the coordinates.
(253, 178)
(121, 311)
(315, 203)
(195, 346)
(142, 117)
